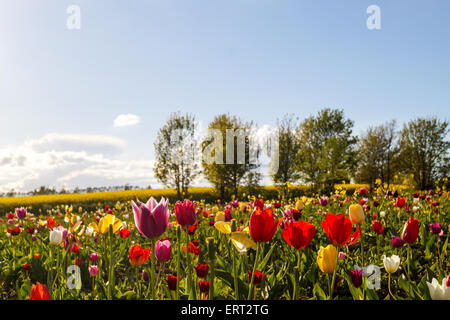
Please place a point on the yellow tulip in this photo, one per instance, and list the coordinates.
(214, 209)
(326, 259)
(220, 216)
(356, 213)
(224, 227)
(299, 205)
(242, 241)
(105, 222)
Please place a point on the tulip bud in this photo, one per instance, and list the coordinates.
(162, 250)
(356, 214)
(145, 275)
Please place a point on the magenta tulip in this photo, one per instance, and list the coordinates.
(185, 212)
(151, 218)
(21, 213)
(162, 250)
(93, 270)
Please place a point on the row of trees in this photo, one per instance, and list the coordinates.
(320, 150)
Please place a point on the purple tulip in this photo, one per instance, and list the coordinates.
(397, 242)
(185, 212)
(33, 237)
(435, 228)
(162, 250)
(151, 218)
(356, 277)
(21, 213)
(323, 201)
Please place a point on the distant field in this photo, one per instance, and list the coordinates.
(197, 193)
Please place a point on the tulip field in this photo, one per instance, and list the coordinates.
(377, 245)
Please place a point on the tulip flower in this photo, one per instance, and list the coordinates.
(124, 233)
(435, 228)
(356, 277)
(400, 203)
(138, 255)
(339, 229)
(21, 213)
(377, 227)
(397, 242)
(162, 250)
(241, 241)
(326, 258)
(223, 227)
(391, 264)
(323, 201)
(437, 291)
(51, 223)
(39, 292)
(104, 223)
(151, 218)
(204, 286)
(56, 237)
(362, 191)
(258, 277)
(93, 257)
(410, 230)
(263, 225)
(298, 234)
(356, 213)
(202, 270)
(172, 282)
(93, 270)
(185, 212)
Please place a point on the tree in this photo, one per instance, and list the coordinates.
(424, 151)
(327, 154)
(176, 150)
(229, 153)
(288, 149)
(375, 151)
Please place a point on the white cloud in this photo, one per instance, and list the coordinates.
(128, 119)
(77, 142)
(71, 160)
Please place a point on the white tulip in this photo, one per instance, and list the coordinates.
(439, 292)
(56, 236)
(415, 209)
(391, 264)
(89, 231)
(382, 214)
(416, 200)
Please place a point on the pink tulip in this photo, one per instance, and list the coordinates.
(185, 212)
(151, 218)
(93, 270)
(94, 257)
(162, 250)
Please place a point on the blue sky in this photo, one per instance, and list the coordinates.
(61, 90)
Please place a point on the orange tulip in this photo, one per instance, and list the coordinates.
(138, 255)
(39, 292)
(263, 225)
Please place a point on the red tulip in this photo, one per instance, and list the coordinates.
(124, 233)
(202, 270)
(39, 292)
(338, 228)
(410, 230)
(400, 202)
(51, 223)
(204, 286)
(172, 282)
(258, 277)
(262, 225)
(377, 227)
(298, 234)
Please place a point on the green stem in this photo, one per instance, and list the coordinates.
(254, 270)
(111, 269)
(334, 275)
(236, 286)
(177, 294)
